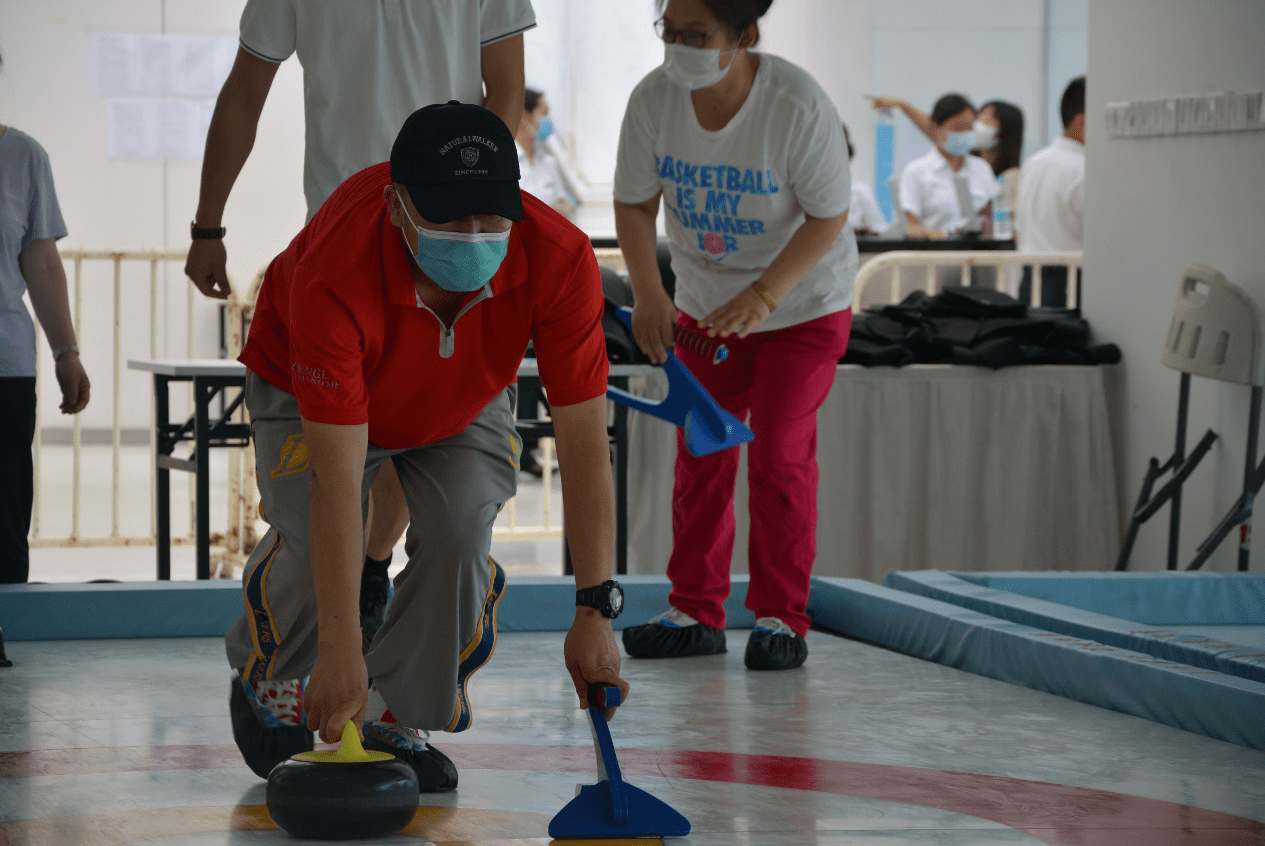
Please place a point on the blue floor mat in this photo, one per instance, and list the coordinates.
(1146, 668)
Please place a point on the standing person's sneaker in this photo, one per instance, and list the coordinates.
(375, 593)
(673, 634)
(268, 722)
(435, 772)
(773, 645)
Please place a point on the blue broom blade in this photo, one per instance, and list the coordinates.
(612, 808)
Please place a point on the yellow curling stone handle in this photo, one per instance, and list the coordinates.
(349, 751)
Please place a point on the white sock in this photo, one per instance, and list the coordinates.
(675, 619)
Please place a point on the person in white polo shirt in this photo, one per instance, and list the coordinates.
(1050, 210)
(927, 192)
(366, 67)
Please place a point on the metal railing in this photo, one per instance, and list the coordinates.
(243, 512)
(115, 538)
(612, 256)
(930, 262)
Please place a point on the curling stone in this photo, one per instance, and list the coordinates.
(343, 794)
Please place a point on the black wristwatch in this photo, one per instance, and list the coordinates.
(206, 233)
(607, 597)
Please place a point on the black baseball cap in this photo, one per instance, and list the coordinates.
(456, 160)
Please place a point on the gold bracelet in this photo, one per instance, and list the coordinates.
(764, 292)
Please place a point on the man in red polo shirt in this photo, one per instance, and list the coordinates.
(391, 329)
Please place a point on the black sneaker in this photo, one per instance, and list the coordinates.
(375, 593)
(673, 634)
(773, 645)
(435, 772)
(267, 735)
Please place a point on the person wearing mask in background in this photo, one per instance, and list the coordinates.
(390, 330)
(746, 153)
(864, 215)
(541, 174)
(29, 263)
(999, 139)
(927, 192)
(998, 132)
(1050, 210)
(366, 67)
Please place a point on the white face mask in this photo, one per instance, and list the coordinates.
(695, 67)
(985, 136)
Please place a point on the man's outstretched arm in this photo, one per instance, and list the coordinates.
(338, 688)
(588, 496)
(229, 141)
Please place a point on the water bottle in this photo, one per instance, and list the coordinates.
(884, 160)
(1003, 211)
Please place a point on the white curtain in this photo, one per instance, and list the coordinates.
(928, 466)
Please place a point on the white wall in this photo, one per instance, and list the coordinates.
(1023, 51)
(1155, 206)
(834, 41)
(1066, 57)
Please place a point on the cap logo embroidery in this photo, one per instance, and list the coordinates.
(469, 155)
(467, 139)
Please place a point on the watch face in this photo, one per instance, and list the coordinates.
(617, 599)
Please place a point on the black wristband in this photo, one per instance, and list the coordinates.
(206, 234)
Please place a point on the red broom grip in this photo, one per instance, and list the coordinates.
(710, 348)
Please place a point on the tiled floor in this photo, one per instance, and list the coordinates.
(115, 742)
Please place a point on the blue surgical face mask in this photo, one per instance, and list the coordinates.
(544, 129)
(959, 143)
(458, 261)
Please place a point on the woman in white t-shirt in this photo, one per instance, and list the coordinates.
(747, 154)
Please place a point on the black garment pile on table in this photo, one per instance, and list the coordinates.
(973, 326)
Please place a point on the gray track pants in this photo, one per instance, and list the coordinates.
(441, 623)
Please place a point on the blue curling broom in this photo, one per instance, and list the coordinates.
(707, 427)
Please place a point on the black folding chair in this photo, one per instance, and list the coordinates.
(1216, 333)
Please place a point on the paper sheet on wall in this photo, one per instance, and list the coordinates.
(173, 65)
(161, 91)
(154, 128)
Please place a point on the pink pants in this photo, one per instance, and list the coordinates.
(780, 378)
